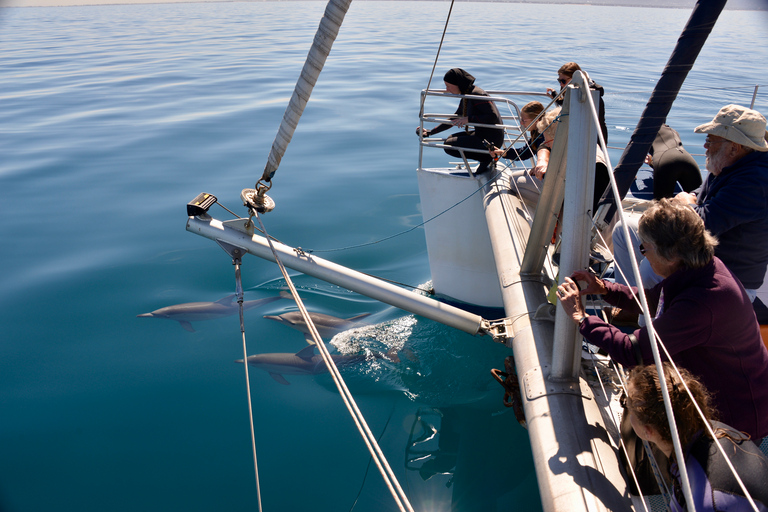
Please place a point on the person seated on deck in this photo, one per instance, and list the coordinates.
(523, 182)
(732, 201)
(713, 486)
(530, 187)
(470, 111)
(702, 315)
(528, 114)
(671, 164)
(564, 77)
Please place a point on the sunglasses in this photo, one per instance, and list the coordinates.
(642, 249)
(712, 141)
(561, 81)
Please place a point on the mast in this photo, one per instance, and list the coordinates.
(321, 47)
(689, 44)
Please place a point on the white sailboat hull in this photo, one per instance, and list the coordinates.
(459, 247)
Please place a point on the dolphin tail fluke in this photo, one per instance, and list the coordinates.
(186, 325)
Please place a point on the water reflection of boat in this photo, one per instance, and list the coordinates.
(487, 249)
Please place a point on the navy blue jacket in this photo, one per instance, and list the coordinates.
(734, 206)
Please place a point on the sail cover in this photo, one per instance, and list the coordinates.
(321, 47)
(689, 44)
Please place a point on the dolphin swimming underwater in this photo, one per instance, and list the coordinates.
(198, 311)
(327, 326)
(303, 362)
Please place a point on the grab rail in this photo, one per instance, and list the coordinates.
(503, 97)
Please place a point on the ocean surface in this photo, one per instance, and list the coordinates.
(114, 117)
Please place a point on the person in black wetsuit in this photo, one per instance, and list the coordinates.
(470, 111)
(671, 164)
(564, 77)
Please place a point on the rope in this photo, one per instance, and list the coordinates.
(373, 447)
(646, 311)
(239, 293)
(437, 55)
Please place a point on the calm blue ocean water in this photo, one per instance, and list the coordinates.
(114, 117)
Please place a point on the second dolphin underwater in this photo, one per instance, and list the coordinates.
(327, 326)
(198, 311)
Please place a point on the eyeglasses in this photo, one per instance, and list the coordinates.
(642, 249)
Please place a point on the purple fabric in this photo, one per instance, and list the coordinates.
(709, 327)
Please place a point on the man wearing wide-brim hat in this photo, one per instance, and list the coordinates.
(733, 200)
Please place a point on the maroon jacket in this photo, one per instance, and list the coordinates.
(709, 327)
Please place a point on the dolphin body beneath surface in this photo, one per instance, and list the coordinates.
(198, 311)
(303, 362)
(327, 326)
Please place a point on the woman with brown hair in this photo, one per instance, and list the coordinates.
(713, 486)
(703, 315)
(564, 77)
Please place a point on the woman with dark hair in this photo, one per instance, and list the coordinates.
(703, 315)
(713, 486)
(471, 111)
(564, 77)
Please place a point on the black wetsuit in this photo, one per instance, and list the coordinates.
(672, 164)
(476, 111)
(600, 109)
(527, 151)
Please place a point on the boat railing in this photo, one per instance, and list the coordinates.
(507, 102)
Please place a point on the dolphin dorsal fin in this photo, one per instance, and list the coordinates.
(307, 353)
(226, 300)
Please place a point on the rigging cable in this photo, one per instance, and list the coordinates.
(678, 449)
(236, 253)
(437, 55)
(370, 440)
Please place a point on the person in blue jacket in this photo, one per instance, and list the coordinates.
(471, 111)
(732, 201)
(713, 485)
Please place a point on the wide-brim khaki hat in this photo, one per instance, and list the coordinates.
(738, 124)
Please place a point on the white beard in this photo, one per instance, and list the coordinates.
(716, 162)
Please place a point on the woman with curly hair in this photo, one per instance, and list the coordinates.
(713, 486)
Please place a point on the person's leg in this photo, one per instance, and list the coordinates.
(469, 140)
(621, 246)
(527, 187)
